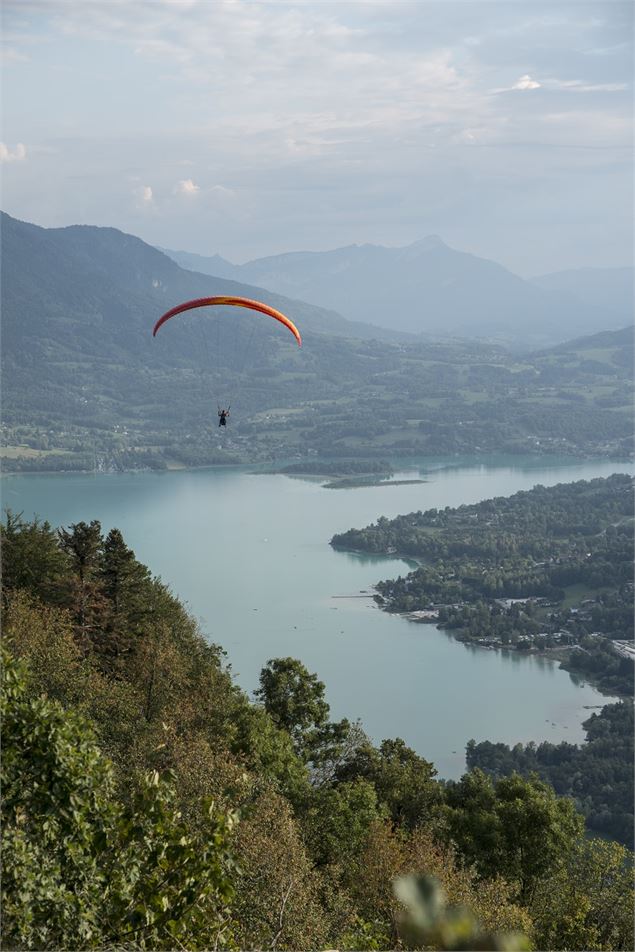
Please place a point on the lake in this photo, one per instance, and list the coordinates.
(250, 556)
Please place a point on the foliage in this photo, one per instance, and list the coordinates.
(80, 869)
(403, 781)
(338, 820)
(390, 854)
(429, 922)
(278, 901)
(269, 751)
(515, 827)
(598, 775)
(588, 903)
(294, 699)
(117, 669)
(32, 558)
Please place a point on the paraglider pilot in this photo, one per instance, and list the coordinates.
(222, 416)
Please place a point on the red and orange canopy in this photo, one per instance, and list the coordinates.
(234, 301)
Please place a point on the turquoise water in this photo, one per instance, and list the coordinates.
(249, 555)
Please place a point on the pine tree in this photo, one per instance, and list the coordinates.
(125, 584)
(83, 543)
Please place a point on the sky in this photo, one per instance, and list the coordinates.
(251, 128)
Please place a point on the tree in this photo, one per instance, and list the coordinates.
(516, 827)
(390, 853)
(79, 869)
(32, 559)
(404, 781)
(295, 701)
(125, 585)
(82, 543)
(588, 902)
(338, 821)
(268, 750)
(277, 891)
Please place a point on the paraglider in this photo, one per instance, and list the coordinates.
(236, 302)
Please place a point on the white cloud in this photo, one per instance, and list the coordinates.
(564, 85)
(186, 187)
(336, 115)
(526, 82)
(580, 86)
(144, 196)
(18, 154)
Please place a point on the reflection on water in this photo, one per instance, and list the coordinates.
(398, 562)
(577, 679)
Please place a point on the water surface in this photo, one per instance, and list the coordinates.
(249, 555)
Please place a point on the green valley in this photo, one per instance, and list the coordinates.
(87, 388)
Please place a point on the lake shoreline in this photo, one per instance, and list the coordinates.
(266, 468)
(560, 653)
(557, 654)
(195, 527)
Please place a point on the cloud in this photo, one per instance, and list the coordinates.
(186, 187)
(208, 195)
(18, 154)
(252, 55)
(526, 82)
(580, 86)
(144, 196)
(321, 121)
(565, 85)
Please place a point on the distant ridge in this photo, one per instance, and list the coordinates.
(124, 277)
(216, 265)
(86, 386)
(623, 338)
(429, 287)
(608, 288)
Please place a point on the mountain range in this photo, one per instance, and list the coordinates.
(122, 276)
(83, 379)
(429, 287)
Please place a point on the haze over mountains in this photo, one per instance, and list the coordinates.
(608, 288)
(429, 287)
(119, 275)
(83, 378)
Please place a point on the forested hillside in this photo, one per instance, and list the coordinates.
(548, 569)
(85, 386)
(147, 803)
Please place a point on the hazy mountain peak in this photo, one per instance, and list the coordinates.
(429, 243)
(428, 286)
(215, 264)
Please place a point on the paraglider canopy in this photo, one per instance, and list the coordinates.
(236, 302)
